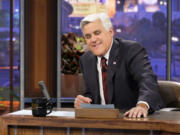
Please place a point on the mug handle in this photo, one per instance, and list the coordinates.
(49, 106)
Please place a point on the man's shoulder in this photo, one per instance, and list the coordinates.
(87, 55)
(127, 48)
(128, 43)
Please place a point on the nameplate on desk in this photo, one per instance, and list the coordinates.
(97, 106)
(97, 111)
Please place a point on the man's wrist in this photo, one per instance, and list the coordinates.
(143, 106)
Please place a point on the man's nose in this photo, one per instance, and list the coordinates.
(93, 38)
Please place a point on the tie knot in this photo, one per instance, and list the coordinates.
(103, 59)
(103, 64)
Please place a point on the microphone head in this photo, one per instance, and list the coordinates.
(44, 89)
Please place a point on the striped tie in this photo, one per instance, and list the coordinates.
(104, 78)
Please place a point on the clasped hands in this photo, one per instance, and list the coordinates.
(140, 110)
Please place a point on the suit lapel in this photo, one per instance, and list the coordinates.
(113, 58)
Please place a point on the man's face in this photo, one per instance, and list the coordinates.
(97, 37)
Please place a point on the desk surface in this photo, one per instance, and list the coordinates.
(159, 121)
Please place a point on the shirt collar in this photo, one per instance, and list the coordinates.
(107, 53)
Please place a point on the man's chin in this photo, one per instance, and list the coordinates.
(98, 54)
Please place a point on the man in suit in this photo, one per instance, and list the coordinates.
(129, 80)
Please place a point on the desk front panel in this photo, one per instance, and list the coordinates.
(22, 130)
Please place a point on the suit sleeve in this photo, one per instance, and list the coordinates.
(140, 68)
(87, 92)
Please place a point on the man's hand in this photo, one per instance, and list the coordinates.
(81, 99)
(138, 111)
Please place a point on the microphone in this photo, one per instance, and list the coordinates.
(44, 89)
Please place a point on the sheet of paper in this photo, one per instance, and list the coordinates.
(62, 113)
(22, 112)
(53, 113)
(96, 106)
(170, 109)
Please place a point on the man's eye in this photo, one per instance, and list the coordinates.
(97, 32)
(87, 36)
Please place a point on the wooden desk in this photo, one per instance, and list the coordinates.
(160, 123)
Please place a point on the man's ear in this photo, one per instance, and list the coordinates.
(111, 31)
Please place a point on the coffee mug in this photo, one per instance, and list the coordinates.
(41, 107)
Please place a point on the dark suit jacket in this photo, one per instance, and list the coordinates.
(130, 76)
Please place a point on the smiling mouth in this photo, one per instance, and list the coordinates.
(96, 45)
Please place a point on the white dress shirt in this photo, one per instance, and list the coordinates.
(100, 74)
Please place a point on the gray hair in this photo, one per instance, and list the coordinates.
(105, 19)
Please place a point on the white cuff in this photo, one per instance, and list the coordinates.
(143, 103)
